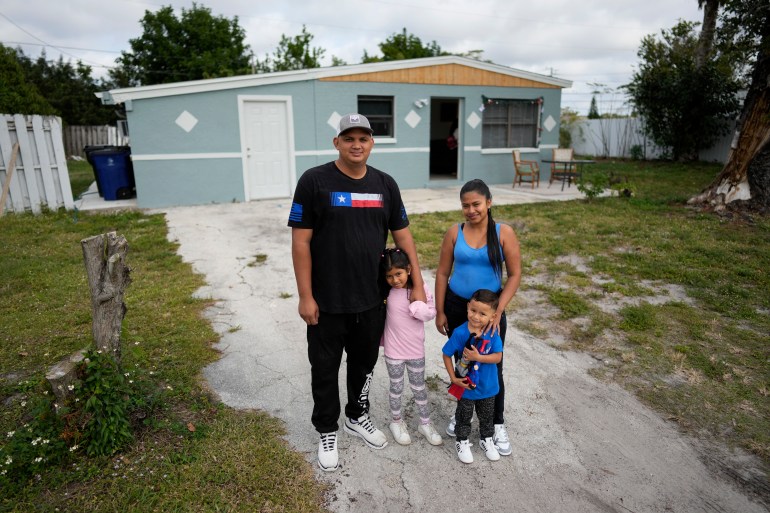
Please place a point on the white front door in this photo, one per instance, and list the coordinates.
(267, 149)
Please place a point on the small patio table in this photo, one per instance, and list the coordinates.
(573, 168)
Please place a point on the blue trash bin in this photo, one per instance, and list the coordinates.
(114, 172)
(88, 150)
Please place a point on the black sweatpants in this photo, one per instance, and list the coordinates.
(484, 411)
(358, 335)
(456, 311)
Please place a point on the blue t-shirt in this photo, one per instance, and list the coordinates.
(486, 375)
(472, 269)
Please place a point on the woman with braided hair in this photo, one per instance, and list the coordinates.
(473, 256)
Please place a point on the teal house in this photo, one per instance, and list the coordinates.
(250, 137)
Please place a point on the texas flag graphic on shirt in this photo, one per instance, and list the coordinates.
(356, 200)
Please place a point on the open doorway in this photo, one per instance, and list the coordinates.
(445, 138)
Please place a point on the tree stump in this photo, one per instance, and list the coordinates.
(62, 378)
(108, 276)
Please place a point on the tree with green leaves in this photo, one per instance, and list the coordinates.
(744, 182)
(18, 95)
(593, 110)
(193, 46)
(477, 55)
(685, 108)
(70, 89)
(404, 46)
(294, 53)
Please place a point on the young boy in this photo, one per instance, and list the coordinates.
(479, 386)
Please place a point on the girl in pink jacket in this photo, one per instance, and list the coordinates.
(404, 343)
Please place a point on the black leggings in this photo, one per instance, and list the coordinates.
(456, 311)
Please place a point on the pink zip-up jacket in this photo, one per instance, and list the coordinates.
(404, 334)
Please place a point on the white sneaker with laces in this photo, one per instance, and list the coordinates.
(450, 429)
(464, 451)
(362, 427)
(488, 446)
(398, 429)
(501, 440)
(328, 458)
(430, 434)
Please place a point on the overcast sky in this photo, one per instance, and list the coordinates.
(587, 42)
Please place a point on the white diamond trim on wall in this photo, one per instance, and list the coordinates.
(334, 121)
(549, 123)
(412, 119)
(473, 120)
(186, 121)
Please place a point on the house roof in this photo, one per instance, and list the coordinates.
(388, 71)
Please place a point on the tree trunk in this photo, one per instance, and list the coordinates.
(744, 182)
(706, 39)
(108, 276)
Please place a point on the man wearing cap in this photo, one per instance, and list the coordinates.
(340, 218)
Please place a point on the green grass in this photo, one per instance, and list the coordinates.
(191, 450)
(81, 176)
(570, 303)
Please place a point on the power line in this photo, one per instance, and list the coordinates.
(42, 41)
(67, 47)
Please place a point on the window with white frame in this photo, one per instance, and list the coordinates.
(379, 111)
(510, 123)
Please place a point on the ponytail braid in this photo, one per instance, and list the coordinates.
(494, 251)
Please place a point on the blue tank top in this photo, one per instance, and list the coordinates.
(472, 269)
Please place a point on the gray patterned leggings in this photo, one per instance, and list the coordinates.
(416, 371)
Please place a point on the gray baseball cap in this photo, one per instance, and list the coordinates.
(353, 121)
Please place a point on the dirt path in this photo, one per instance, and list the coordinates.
(579, 445)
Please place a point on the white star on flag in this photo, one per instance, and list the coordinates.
(341, 199)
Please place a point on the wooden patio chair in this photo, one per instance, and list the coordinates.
(527, 170)
(560, 171)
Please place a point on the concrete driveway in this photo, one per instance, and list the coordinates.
(579, 445)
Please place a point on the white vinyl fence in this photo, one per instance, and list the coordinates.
(615, 137)
(33, 174)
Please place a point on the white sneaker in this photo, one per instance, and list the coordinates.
(328, 458)
(501, 440)
(488, 446)
(464, 451)
(400, 433)
(430, 434)
(362, 427)
(450, 429)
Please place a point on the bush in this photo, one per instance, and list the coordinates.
(593, 184)
(637, 152)
(107, 402)
(98, 419)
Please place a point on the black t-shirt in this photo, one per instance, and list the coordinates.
(350, 220)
